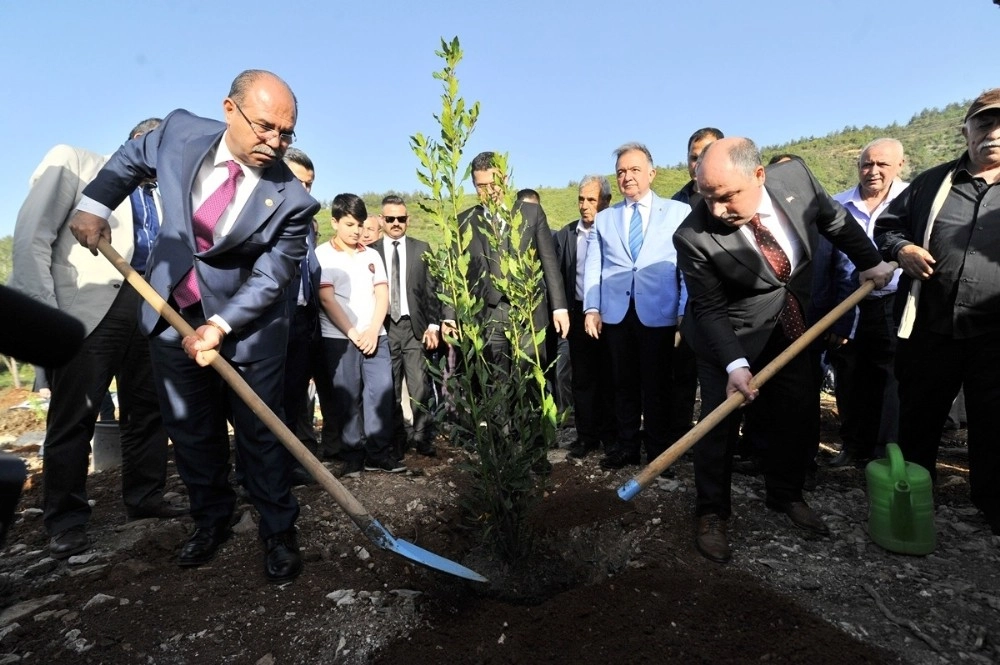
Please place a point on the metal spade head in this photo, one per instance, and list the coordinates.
(384, 539)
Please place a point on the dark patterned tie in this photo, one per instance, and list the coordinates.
(203, 224)
(791, 318)
(395, 311)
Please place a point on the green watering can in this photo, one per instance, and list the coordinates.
(900, 504)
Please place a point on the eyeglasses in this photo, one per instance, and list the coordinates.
(265, 132)
(389, 219)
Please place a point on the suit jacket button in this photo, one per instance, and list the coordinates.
(635, 269)
(628, 293)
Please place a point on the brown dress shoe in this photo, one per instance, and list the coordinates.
(801, 515)
(712, 540)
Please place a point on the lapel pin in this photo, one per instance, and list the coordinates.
(268, 202)
(788, 199)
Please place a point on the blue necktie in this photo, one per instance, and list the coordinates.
(145, 226)
(635, 232)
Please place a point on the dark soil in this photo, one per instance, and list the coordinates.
(609, 582)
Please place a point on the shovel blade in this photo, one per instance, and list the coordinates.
(381, 536)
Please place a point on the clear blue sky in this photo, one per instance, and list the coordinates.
(561, 83)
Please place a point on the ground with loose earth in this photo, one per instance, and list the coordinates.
(608, 582)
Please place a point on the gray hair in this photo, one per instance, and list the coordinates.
(743, 155)
(881, 141)
(601, 181)
(629, 147)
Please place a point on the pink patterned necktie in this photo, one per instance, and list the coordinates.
(203, 224)
(791, 318)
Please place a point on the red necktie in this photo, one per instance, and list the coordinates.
(791, 318)
(203, 224)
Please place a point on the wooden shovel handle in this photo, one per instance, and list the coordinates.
(344, 499)
(734, 401)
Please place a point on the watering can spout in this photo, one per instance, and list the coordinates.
(901, 511)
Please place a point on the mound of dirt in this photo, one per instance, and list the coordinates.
(608, 581)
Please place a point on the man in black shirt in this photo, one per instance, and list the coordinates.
(944, 231)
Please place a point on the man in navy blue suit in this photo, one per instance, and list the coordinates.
(234, 230)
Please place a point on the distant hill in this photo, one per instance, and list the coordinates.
(930, 137)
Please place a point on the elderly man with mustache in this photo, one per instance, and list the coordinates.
(944, 231)
(235, 221)
(863, 359)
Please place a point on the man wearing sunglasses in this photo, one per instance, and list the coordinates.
(411, 323)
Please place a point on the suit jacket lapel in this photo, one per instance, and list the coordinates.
(195, 152)
(733, 241)
(787, 203)
(620, 227)
(574, 227)
(653, 235)
(413, 259)
(264, 200)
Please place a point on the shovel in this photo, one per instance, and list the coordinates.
(629, 490)
(369, 526)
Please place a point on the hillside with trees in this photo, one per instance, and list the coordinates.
(930, 137)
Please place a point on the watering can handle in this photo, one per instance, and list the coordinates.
(897, 465)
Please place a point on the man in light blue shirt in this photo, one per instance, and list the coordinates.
(863, 362)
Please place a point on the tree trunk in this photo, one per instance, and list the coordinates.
(12, 367)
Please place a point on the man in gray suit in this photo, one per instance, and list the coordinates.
(234, 232)
(51, 267)
(591, 379)
(745, 251)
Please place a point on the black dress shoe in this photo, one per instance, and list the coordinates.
(801, 515)
(712, 539)
(159, 510)
(749, 466)
(69, 542)
(542, 467)
(426, 449)
(619, 459)
(580, 449)
(201, 546)
(282, 561)
(850, 457)
(844, 458)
